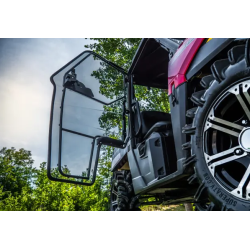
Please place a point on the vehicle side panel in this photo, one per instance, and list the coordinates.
(181, 60)
(206, 53)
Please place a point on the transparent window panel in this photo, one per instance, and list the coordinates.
(75, 154)
(102, 82)
(89, 117)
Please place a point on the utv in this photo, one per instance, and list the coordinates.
(197, 153)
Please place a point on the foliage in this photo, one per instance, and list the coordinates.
(117, 50)
(14, 178)
(24, 188)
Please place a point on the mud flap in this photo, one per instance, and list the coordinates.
(79, 117)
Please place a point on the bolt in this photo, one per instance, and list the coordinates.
(244, 122)
(239, 151)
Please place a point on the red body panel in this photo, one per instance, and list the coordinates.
(179, 63)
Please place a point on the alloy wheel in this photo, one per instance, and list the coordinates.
(226, 140)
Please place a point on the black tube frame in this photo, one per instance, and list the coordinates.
(131, 117)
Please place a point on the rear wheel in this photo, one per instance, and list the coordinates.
(122, 197)
(220, 140)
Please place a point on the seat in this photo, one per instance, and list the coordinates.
(150, 118)
(158, 127)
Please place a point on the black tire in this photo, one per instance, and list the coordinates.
(122, 197)
(201, 207)
(226, 73)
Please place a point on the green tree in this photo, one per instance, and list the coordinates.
(25, 188)
(117, 50)
(54, 196)
(16, 170)
(16, 179)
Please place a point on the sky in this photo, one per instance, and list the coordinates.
(26, 92)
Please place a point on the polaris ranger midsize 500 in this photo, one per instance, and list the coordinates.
(198, 153)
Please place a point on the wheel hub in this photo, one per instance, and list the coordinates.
(244, 139)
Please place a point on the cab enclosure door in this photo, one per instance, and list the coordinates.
(87, 103)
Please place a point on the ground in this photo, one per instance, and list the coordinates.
(164, 208)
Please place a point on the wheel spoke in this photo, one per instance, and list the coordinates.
(239, 190)
(222, 121)
(222, 129)
(222, 158)
(236, 91)
(248, 187)
(245, 89)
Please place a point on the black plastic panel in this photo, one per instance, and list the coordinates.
(152, 160)
(206, 53)
(178, 116)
